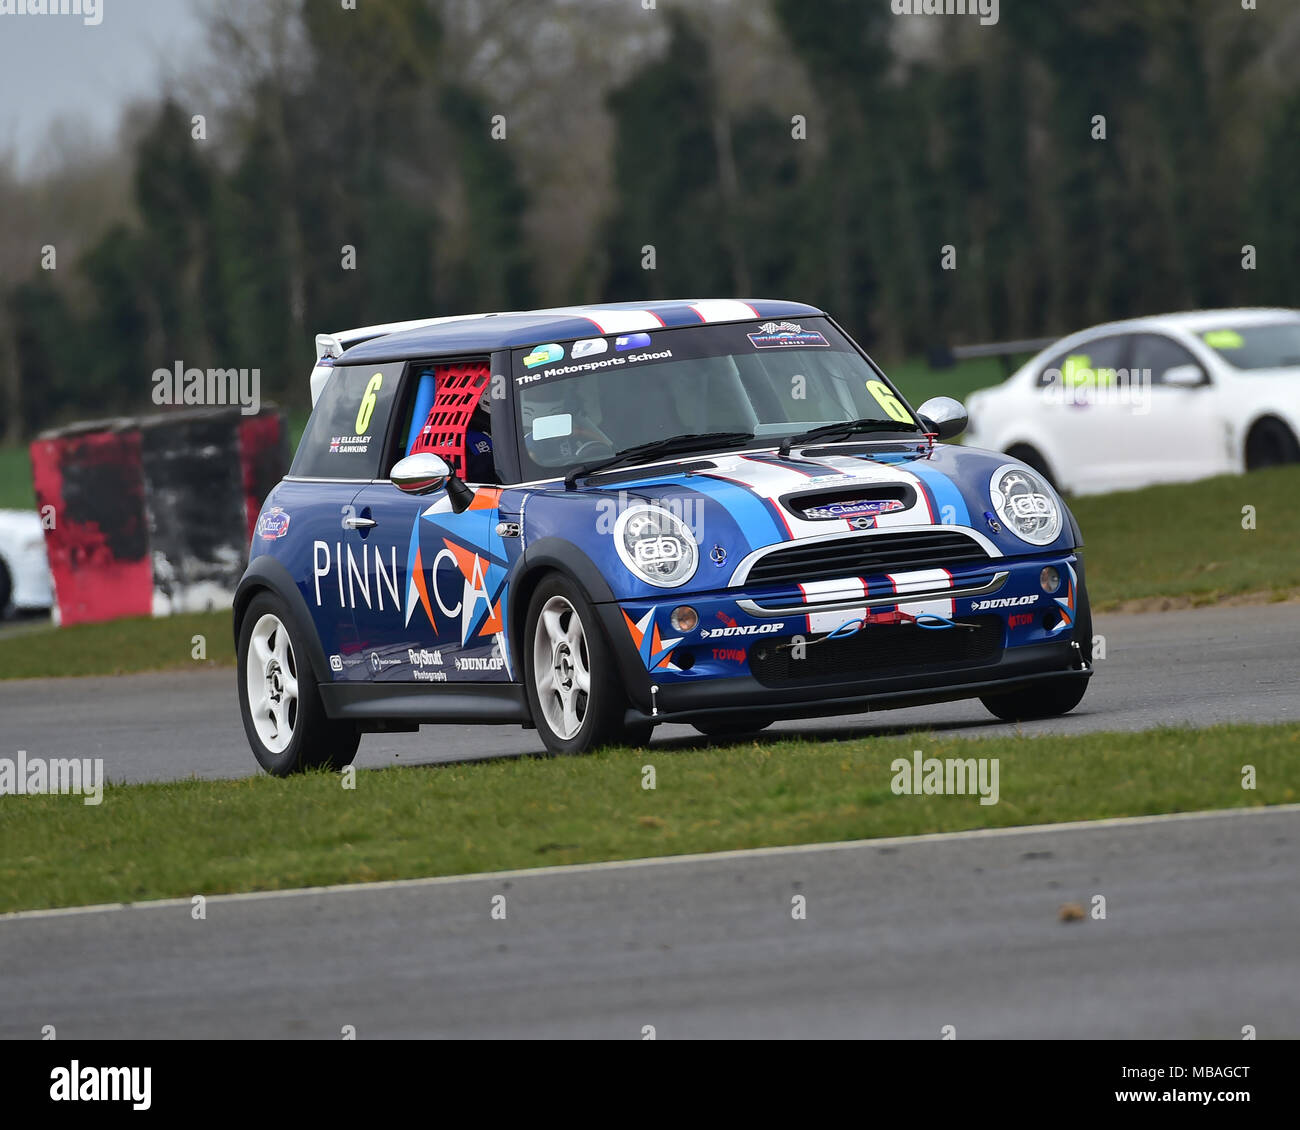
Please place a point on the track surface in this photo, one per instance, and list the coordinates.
(901, 939)
(1196, 668)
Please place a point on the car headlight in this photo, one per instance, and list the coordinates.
(1025, 504)
(656, 545)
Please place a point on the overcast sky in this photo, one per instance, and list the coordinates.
(55, 66)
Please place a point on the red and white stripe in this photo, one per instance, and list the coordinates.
(623, 321)
(724, 310)
(829, 592)
(924, 580)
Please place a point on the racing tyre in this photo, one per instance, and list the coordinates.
(1050, 701)
(570, 675)
(724, 727)
(1057, 697)
(278, 697)
(1270, 444)
(6, 590)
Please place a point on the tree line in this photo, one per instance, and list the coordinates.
(927, 179)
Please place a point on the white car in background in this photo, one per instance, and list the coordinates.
(1152, 400)
(24, 567)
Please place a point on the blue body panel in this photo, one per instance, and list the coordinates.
(424, 596)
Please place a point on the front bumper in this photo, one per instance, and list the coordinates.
(1016, 670)
(986, 630)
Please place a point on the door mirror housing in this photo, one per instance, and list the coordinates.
(424, 473)
(1185, 376)
(944, 416)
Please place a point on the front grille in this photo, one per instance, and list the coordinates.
(867, 556)
(878, 651)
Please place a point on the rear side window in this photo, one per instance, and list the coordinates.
(1091, 363)
(345, 435)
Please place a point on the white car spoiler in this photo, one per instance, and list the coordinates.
(330, 346)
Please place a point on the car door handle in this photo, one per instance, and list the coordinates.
(352, 522)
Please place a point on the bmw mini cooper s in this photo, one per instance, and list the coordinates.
(593, 520)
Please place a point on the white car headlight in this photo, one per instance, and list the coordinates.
(1025, 504)
(656, 545)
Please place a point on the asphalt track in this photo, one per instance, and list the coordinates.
(901, 940)
(1193, 668)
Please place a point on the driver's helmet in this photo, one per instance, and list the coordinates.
(479, 467)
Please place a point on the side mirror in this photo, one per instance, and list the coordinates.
(1184, 376)
(424, 473)
(944, 416)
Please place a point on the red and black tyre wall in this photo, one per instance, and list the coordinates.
(153, 516)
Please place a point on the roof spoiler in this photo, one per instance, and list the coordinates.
(330, 347)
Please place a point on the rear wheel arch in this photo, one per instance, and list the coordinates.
(284, 718)
(1270, 441)
(6, 585)
(1032, 456)
(266, 574)
(244, 596)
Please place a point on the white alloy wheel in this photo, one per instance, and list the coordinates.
(271, 677)
(562, 667)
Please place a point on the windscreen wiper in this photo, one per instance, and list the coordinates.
(672, 445)
(843, 430)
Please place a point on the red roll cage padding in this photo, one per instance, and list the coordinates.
(457, 392)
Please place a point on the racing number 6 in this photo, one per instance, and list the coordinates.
(368, 404)
(889, 402)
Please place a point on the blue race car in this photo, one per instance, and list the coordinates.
(597, 519)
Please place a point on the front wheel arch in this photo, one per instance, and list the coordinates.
(553, 555)
(604, 718)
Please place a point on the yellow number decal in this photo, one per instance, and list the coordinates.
(893, 407)
(368, 403)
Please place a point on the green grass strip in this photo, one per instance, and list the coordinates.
(209, 837)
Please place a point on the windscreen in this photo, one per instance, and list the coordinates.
(1274, 345)
(586, 400)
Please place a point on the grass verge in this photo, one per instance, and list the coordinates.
(36, 651)
(918, 382)
(1187, 540)
(210, 837)
(16, 491)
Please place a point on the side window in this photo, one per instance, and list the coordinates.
(1088, 364)
(447, 410)
(344, 438)
(1160, 354)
